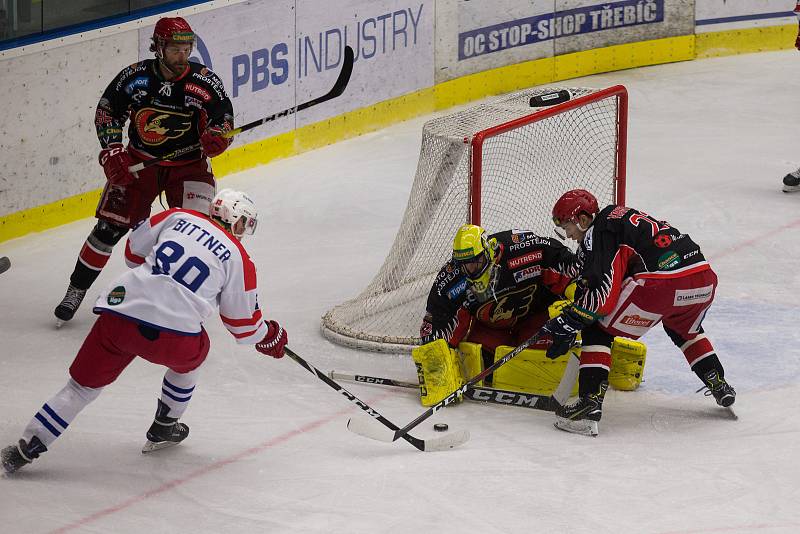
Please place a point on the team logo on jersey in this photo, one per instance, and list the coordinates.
(618, 212)
(507, 309)
(116, 296)
(668, 260)
(155, 126)
(662, 240)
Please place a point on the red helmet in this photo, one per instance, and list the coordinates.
(171, 29)
(573, 203)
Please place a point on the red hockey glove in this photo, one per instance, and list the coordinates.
(274, 341)
(213, 143)
(115, 161)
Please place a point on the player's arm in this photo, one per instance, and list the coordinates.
(109, 119)
(555, 258)
(112, 109)
(216, 118)
(241, 314)
(445, 316)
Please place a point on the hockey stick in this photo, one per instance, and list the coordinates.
(492, 395)
(337, 89)
(5, 263)
(474, 393)
(374, 432)
(448, 441)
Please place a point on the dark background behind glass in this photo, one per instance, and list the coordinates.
(26, 18)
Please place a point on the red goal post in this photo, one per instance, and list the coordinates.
(501, 164)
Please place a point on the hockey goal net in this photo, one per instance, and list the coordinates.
(501, 165)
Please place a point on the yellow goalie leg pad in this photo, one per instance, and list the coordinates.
(471, 360)
(530, 371)
(627, 364)
(438, 370)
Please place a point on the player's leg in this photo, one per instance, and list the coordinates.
(191, 186)
(693, 296)
(182, 355)
(176, 392)
(92, 258)
(489, 339)
(120, 207)
(583, 415)
(791, 182)
(98, 363)
(638, 309)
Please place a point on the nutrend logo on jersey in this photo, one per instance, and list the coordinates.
(116, 296)
(531, 257)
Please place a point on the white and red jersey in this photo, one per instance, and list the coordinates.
(185, 266)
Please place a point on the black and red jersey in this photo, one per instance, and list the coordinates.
(164, 115)
(526, 283)
(623, 242)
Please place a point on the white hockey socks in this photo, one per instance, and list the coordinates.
(176, 391)
(58, 412)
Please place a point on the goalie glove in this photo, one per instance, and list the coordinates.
(115, 161)
(563, 330)
(274, 341)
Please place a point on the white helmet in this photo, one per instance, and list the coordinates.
(229, 207)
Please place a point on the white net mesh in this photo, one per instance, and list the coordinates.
(523, 172)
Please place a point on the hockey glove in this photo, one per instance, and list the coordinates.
(115, 161)
(213, 143)
(563, 329)
(274, 341)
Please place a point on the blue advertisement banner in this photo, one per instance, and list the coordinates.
(540, 28)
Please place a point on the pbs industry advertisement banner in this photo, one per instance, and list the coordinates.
(274, 54)
(504, 32)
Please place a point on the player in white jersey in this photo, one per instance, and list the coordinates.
(185, 266)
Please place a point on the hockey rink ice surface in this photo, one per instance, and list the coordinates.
(269, 451)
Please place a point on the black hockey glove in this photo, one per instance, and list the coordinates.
(563, 329)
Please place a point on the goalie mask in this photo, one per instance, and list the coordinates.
(476, 257)
(235, 212)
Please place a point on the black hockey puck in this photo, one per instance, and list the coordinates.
(440, 427)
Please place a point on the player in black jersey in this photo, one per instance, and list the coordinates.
(170, 104)
(635, 271)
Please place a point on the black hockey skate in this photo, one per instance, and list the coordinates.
(724, 394)
(582, 416)
(791, 182)
(165, 431)
(69, 305)
(15, 457)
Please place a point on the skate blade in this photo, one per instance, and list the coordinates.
(791, 188)
(59, 323)
(151, 446)
(584, 427)
(731, 413)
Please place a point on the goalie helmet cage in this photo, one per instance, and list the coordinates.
(502, 165)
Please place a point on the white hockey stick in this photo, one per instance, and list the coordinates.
(372, 431)
(448, 441)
